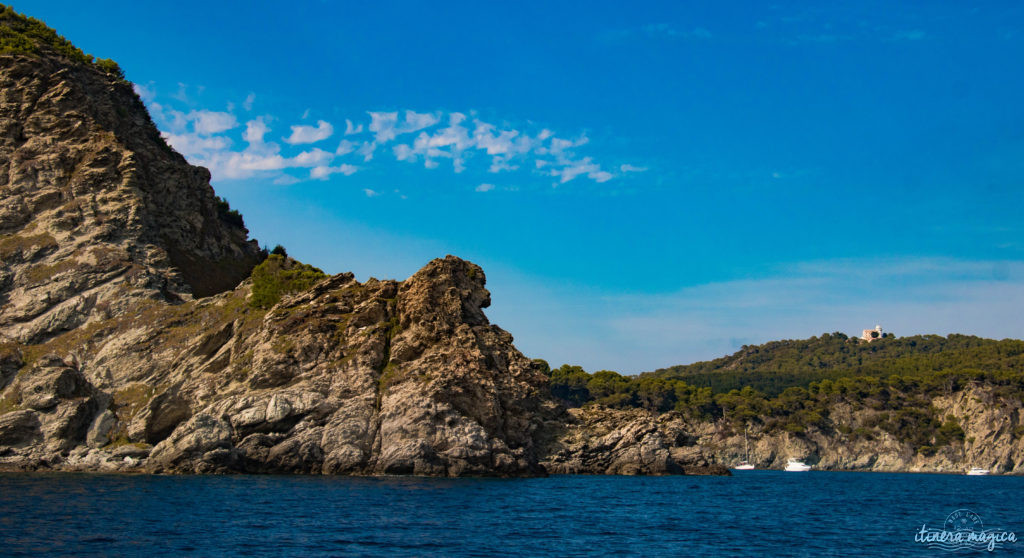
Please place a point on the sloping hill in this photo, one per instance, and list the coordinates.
(775, 366)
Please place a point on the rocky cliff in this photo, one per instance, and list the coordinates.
(992, 438)
(130, 340)
(96, 210)
(379, 377)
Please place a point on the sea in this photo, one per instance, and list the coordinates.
(752, 513)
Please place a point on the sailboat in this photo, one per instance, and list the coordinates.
(745, 465)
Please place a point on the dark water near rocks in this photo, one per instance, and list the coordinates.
(751, 513)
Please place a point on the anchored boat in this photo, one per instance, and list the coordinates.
(795, 465)
(745, 465)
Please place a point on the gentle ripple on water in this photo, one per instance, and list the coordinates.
(751, 513)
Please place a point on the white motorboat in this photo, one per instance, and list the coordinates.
(795, 465)
(977, 472)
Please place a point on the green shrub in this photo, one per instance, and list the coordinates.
(110, 67)
(20, 34)
(228, 215)
(278, 276)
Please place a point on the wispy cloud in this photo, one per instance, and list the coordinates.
(631, 168)
(461, 139)
(208, 122)
(324, 172)
(310, 134)
(351, 128)
(255, 130)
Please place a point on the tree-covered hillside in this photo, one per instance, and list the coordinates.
(796, 385)
(775, 366)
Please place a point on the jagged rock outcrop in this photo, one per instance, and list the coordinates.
(96, 210)
(598, 440)
(381, 377)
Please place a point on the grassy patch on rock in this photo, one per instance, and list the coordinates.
(8, 404)
(17, 244)
(279, 275)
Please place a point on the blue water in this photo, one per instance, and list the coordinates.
(751, 513)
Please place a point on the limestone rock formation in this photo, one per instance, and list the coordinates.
(992, 426)
(96, 210)
(597, 440)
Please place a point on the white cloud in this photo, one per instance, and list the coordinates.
(351, 129)
(208, 138)
(209, 122)
(584, 166)
(147, 94)
(415, 122)
(631, 168)
(180, 94)
(194, 144)
(324, 172)
(235, 164)
(286, 180)
(484, 187)
(382, 124)
(403, 152)
(345, 147)
(386, 126)
(313, 158)
(370, 193)
(366, 150)
(310, 134)
(255, 130)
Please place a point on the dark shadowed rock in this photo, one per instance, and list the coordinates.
(19, 427)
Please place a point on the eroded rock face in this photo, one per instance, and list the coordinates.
(597, 440)
(381, 377)
(95, 209)
(991, 423)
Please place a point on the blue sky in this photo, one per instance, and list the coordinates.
(644, 186)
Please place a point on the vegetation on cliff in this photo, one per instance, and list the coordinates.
(279, 275)
(21, 34)
(798, 385)
(773, 367)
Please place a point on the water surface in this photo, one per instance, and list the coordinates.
(753, 512)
